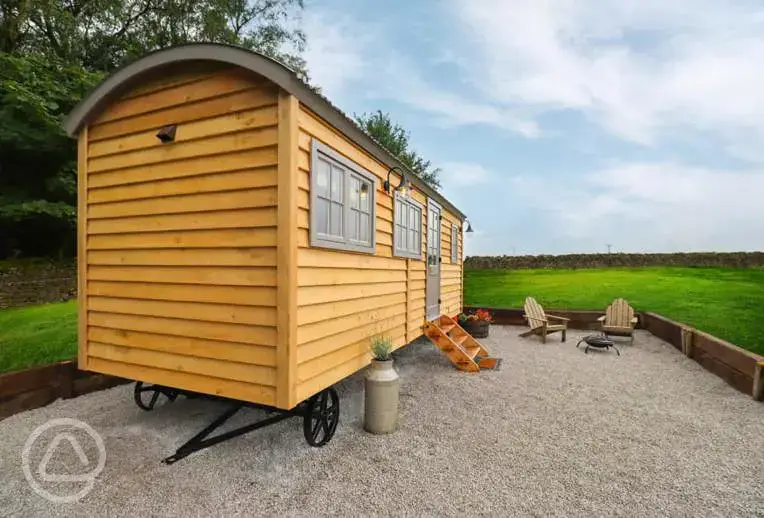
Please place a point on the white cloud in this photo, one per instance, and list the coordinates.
(335, 51)
(638, 68)
(648, 207)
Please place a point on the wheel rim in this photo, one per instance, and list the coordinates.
(148, 402)
(322, 416)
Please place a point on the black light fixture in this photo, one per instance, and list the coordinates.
(403, 187)
(469, 226)
(167, 134)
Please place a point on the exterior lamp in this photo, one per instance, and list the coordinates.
(469, 226)
(167, 134)
(403, 187)
(364, 191)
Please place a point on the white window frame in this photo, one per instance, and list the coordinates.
(398, 250)
(454, 244)
(320, 151)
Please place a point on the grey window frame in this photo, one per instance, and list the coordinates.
(351, 169)
(454, 244)
(397, 250)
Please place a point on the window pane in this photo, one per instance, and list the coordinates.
(410, 245)
(365, 228)
(335, 219)
(337, 178)
(366, 200)
(353, 225)
(355, 191)
(397, 237)
(322, 178)
(322, 216)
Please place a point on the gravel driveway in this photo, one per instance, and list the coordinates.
(554, 431)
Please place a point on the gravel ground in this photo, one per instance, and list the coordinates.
(554, 432)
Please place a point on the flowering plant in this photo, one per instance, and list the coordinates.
(481, 315)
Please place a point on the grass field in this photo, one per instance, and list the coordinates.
(728, 303)
(37, 335)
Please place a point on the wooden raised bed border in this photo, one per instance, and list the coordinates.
(40, 386)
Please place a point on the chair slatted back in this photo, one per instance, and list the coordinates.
(619, 314)
(535, 313)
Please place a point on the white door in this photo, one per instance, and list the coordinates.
(433, 262)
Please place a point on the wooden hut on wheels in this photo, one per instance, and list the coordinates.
(239, 236)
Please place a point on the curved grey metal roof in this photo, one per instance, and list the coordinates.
(272, 70)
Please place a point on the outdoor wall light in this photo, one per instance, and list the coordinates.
(469, 226)
(167, 134)
(403, 187)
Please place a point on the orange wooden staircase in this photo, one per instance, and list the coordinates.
(466, 353)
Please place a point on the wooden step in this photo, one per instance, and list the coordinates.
(447, 328)
(459, 339)
(472, 351)
(464, 357)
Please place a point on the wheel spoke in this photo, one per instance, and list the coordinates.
(154, 399)
(325, 426)
(316, 428)
(324, 398)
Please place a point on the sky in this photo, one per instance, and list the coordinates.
(565, 126)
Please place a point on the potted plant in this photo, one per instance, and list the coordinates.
(477, 324)
(382, 389)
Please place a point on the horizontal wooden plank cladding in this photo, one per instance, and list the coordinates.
(237, 218)
(216, 182)
(231, 237)
(262, 116)
(186, 346)
(310, 350)
(209, 312)
(209, 385)
(241, 295)
(186, 257)
(311, 332)
(249, 139)
(230, 370)
(243, 199)
(330, 310)
(221, 276)
(314, 257)
(205, 88)
(202, 109)
(307, 295)
(245, 334)
(339, 276)
(221, 162)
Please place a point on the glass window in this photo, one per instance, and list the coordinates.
(342, 202)
(407, 234)
(454, 243)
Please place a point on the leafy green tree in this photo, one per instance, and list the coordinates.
(393, 137)
(38, 180)
(106, 34)
(52, 52)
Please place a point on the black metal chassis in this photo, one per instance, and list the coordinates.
(320, 416)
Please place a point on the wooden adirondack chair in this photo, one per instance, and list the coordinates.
(619, 319)
(538, 321)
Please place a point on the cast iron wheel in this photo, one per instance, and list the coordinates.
(155, 391)
(322, 414)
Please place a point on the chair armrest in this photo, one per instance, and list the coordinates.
(602, 318)
(634, 320)
(558, 318)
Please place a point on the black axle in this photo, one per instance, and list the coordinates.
(320, 416)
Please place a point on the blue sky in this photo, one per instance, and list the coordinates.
(566, 125)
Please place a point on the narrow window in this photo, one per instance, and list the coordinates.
(342, 202)
(454, 243)
(407, 232)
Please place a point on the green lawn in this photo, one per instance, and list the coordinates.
(728, 303)
(37, 335)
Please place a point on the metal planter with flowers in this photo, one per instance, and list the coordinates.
(477, 324)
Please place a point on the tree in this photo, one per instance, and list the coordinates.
(38, 179)
(106, 34)
(52, 52)
(393, 137)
